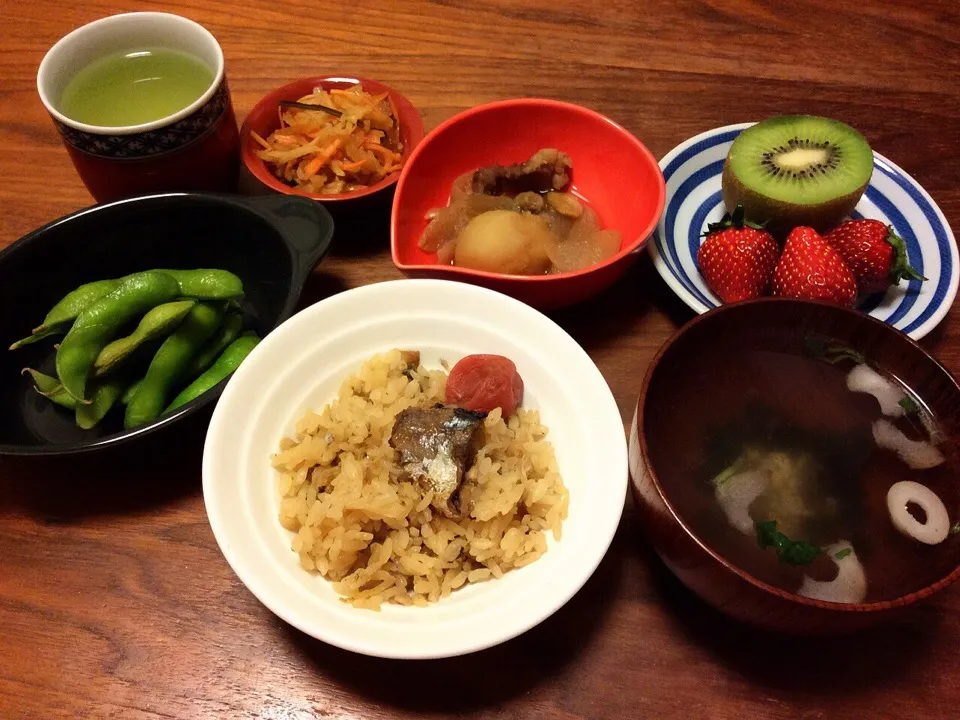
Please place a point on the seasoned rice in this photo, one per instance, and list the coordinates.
(361, 524)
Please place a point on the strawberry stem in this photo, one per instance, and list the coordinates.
(737, 219)
(900, 268)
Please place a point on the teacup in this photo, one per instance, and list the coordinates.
(196, 148)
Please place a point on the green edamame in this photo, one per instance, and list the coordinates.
(97, 323)
(42, 383)
(130, 392)
(159, 321)
(202, 284)
(207, 284)
(228, 361)
(38, 335)
(73, 303)
(50, 388)
(103, 397)
(62, 315)
(228, 332)
(168, 365)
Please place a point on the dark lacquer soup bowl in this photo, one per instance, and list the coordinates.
(771, 448)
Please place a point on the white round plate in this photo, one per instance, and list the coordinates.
(301, 365)
(692, 172)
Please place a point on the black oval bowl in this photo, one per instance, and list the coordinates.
(272, 243)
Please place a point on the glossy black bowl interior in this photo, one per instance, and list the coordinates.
(272, 243)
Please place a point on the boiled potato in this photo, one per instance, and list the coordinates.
(503, 241)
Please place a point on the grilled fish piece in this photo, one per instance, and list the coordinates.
(437, 446)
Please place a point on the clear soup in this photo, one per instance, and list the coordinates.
(803, 447)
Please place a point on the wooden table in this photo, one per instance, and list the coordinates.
(115, 601)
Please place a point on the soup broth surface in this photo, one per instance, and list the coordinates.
(827, 480)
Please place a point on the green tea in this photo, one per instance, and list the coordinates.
(131, 88)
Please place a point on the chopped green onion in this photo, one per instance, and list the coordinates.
(792, 552)
(908, 404)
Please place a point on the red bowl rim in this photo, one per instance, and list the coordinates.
(634, 247)
(259, 169)
(878, 605)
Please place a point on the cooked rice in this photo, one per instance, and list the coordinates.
(362, 525)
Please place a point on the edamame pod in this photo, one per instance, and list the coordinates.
(99, 322)
(158, 321)
(39, 334)
(50, 388)
(228, 361)
(207, 284)
(203, 284)
(73, 303)
(62, 315)
(227, 333)
(168, 365)
(103, 397)
(130, 392)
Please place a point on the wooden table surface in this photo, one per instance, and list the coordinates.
(115, 601)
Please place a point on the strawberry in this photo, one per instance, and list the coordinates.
(874, 252)
(737, 258)
(811, 269)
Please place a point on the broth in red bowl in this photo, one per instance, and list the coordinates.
(612, 174)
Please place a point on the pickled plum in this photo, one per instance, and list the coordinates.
(483, 383)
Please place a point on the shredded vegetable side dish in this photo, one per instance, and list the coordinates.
(351, 141)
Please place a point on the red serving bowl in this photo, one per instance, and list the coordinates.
(263, 120)
(615, 172)
(661, 453)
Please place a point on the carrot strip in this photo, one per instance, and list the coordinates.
(315, 152)
(313, 167)
(378, 150)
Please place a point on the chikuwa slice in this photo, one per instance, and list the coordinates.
(935, 524)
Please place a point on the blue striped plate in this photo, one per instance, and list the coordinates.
(692, 172)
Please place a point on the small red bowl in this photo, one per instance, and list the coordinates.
(263, 120)
(615, 172)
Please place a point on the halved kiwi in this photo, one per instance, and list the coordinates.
(795, 170)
